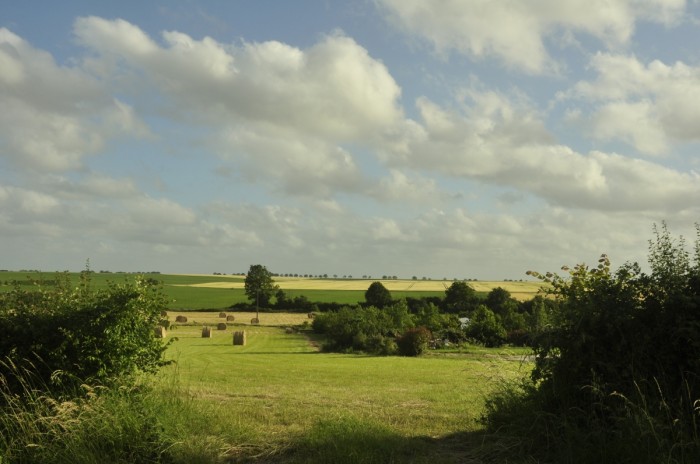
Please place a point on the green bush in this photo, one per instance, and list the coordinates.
(369, 329)
(80, 335)
(414, 342)
(485, 328)
(617, 370)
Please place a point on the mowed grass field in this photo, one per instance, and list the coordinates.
(278, 389)
(199, 292)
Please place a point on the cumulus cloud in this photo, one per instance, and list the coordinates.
(54, 116)
(648, 105)
(281, 112)
(516, 32)
(496, 141)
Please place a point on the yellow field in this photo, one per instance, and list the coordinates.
(519, 290)
(242, 318)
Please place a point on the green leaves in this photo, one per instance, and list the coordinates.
(92, 335)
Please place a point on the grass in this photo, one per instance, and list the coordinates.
(283, 396)
(275, 400)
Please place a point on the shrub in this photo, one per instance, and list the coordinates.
(94, 336)
(617, 372)
(485, 328)
(363, 329)
(414, 341)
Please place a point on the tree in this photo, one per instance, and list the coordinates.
(377, 295)
(485, 328)
(500, 302)
(460, 298)
(259, 285)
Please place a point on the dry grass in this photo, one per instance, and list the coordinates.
(242, 318)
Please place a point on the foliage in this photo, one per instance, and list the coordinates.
(485, 328)
(82, 335)
(500, 302)
(377, 295)
(460, 298)
(414, 341)
(259, 285)
(368, 329)
(617, 368)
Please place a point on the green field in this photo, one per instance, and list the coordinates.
(278, 389)
(221, 291)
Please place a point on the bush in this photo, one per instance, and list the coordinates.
(363, 329)
(91, 336)
(617, 372)
(485, 328)
(414, 341)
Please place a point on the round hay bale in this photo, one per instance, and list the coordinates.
(221, 326)
(311, 315)
(160, 332)
(239, 338)
(206, 332)
(181, 319)
(164, 313)
(222, 314)
(230, 318)
(255, 321)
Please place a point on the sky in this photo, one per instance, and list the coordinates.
(441, 139)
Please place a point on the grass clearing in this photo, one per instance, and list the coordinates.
(278, 391)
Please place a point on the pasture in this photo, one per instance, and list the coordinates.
(279, 389)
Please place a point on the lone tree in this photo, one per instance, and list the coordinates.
(460, 298)
(377, 295)
(259, 286)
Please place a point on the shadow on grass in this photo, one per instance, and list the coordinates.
(350, 440)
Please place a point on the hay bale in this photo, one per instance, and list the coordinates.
(239, 338)
(164, 313)
(181, 319)
(221, 326)
(206, 332)
(230, 318)
(311, 315)
(222, 314)
(288, 330)
(255, 321)
(161, 332)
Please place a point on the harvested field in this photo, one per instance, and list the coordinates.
(519, 290)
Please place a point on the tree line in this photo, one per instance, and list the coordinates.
(461, 314)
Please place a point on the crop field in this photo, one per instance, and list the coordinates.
(279, 386)
(221, 291)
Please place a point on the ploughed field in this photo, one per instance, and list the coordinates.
(279, 386)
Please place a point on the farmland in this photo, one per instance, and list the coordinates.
(197, 291)
(279, 387)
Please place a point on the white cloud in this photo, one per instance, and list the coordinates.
(282, 114)
(398, 186)
(650, 106)
(518, 32)
(495, 141)
(54, 116)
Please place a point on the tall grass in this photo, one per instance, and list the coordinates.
(614, 429)
(87, 425)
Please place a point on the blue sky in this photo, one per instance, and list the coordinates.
(457, 139)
